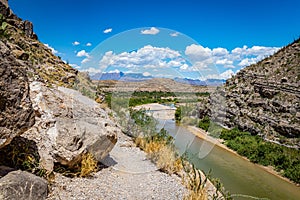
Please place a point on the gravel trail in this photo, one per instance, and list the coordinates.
(128, 175)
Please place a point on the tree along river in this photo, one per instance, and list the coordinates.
(243, 179)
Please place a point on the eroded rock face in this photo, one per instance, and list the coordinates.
(264, 98)
(69, 125)
(22, 186)
(4, 2)
(38, 59)
(28, 28)
(16, 112)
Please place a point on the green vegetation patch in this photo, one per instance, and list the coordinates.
(285, 160)
(144, 97)
(22, 154)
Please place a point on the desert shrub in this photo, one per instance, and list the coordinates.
(189, 121)
(204, 123)
(22, 154)
(283, 159)
(195, 182)
(160, 149)
(88, 165)
(178, 114)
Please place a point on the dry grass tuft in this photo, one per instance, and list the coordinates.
(196, 196)
(88, 165)
(167, 160)
(22, 154)
(161, 153)
(195, 183)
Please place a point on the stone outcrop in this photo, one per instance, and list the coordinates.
(25, 60)
(58, 125)
(22, 186)
(264, 98)
(16, 112)
(69, 125)
(4, 2)
(40, 64)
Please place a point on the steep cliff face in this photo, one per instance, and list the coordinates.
(16, 112)
(37, 59)
(23, 59)
(264, 98)
(37, 102)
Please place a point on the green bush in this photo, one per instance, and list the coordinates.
(178, 114)
(265, 153)
(204, 123)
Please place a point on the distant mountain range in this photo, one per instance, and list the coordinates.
(137, 77)
(209, 82)
(130, 77)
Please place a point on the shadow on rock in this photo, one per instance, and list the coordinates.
(22, 154)
(108, 161)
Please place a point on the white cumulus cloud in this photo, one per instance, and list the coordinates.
(146, 57)
(225, 75)
(220, 51)
(248, 61)
(151, 31)
(175, 34)
(255, 51)
(85, 60)
(92, 70)
(107, 30)
(224, 62)
(198, 52)
(146, 74)
(184, 67)
(204, 58)
(74, 66)
(75, 43)
(54, 51)
(82, 53)
(88, 44)
(196, 59)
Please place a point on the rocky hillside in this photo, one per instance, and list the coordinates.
(19, 41)
(155, 84)
(264, 98)
(43, 121)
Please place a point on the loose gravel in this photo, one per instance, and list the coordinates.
(128, 175)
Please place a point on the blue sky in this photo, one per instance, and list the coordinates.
(213, 26)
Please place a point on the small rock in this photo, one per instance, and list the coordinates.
(22, 55)
(28, 28)
(22, 186)
(127, 144)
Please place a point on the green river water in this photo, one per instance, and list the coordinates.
(243, 179)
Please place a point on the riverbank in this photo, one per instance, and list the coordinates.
(159, 111)
(202, 134)
(165, 113)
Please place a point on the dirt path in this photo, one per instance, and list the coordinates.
(128, 175)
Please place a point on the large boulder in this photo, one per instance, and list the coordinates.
(22, 186)
(69, 125)
(16, 112)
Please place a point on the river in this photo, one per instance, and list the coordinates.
(243, 179)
